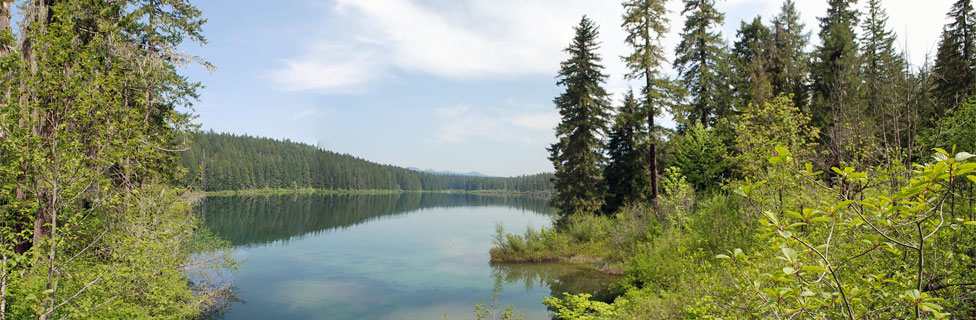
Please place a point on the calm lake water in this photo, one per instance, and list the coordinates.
(403, 256)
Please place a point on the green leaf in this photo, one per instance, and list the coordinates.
(971, 178)
(738, 252)
(782, 151)
(813, 269)
(891, 248)
(970, 223)
(789, 270)
(739, 191)
(798, 224)
(837, 170)
(772, 217)
(820, 219)
(963, 156)
(794, 214)
(785, 234)
(722, 256)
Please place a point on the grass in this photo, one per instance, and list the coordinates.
(602, 241)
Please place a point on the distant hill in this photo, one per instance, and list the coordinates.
(449, 173)
(220, 161)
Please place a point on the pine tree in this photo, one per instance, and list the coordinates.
(955, 62)
(789, 61)
(751, 63)
(702, 63)
(883, 72)
(584, 109)
(627, 172)
(835, 81)
(646, 24)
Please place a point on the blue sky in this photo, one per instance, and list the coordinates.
(461, 85)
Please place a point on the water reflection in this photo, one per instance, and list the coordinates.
(400, 256)
(557, 277)
(259, 220)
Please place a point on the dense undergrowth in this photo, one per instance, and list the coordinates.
(872, 239)
(793, 245)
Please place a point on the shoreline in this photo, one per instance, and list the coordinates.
(576, 260)
(309, 191)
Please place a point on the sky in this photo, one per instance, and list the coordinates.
(459, 85)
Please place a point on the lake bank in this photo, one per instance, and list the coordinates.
(308, 191)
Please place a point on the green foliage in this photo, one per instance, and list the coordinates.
(646, 23)
(700, 154)
(627, 174)
(703, 65)
(579, 306)
(761, 127)
(958, 128)
(955, 60)
(92, 226)
(679, 198)
(789, 61)
(494, 311)
(836, 80)
(661, 263)
(752, 63)
(218, 162)
(584, 109)
(872, 247)
(882, 66)
(532, 246)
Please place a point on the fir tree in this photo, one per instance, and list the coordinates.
(627, 172)
(954, 73)
(835, 81)
(751, 62)
(584, 109)
(882, 70)
(789, 61)
(703, 65)
(646, 23)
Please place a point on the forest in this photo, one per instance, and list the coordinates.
(93, 222)
(219, 161)
(826, 178)
(816, 180)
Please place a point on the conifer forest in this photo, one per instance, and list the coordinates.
(786, 171)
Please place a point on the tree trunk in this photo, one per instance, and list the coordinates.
(38, 14)
(650, 129)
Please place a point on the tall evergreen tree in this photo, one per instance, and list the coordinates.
(751, 63)
(835, 81)
(789, 61)
(702, 63)
(584, 109)
(883, 72)
(627, 172)
(646, 23)
(955, 62)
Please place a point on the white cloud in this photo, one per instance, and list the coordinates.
(461, 124)
(329, 68)
(369, 39)
(536, 121)
(313, 113)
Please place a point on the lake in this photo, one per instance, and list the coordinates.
(398, 256)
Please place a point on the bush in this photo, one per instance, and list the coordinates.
(719, 224)
(588, 227)
(661, 264)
